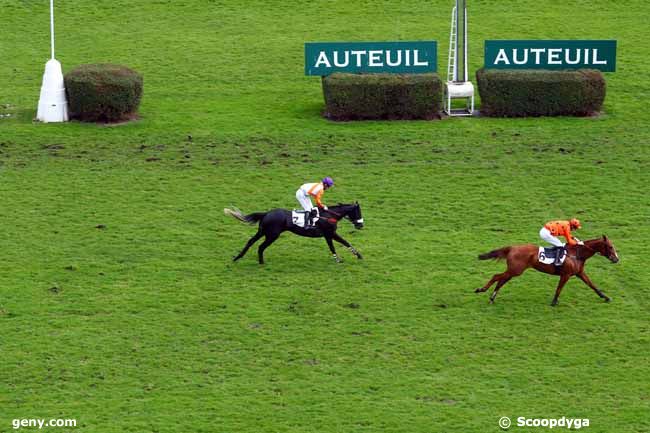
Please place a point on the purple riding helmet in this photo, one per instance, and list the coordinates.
(328, 182)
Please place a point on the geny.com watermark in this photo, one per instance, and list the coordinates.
(40, 423)
(564, 422)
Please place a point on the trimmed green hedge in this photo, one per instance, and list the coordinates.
(103, 92)
(382, 96)
(540, 93)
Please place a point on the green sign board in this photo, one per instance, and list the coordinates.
(325, 58)
(551, 55)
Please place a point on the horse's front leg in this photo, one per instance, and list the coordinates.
(330, 244)
(563, 279)
(346, 244)
(588, 282)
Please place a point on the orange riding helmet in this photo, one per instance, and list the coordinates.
(575, 223)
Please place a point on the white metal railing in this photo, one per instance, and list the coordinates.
(465, 46)
(451, 63)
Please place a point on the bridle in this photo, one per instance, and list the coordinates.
(607, 250)
(605, 254)
(336, 214)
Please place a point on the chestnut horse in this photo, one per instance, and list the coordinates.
(521, 257)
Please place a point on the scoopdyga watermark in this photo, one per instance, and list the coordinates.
(568, 423)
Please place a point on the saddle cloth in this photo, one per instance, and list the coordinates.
(298, 217)
(547, 255)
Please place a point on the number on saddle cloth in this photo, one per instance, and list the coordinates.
(547, 254)
(301, 218)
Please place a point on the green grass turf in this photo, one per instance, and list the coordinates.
(146, 326)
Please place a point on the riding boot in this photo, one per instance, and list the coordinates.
(559, 252)
(312, 215)
(307, 219)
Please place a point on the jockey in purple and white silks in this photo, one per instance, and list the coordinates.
(316, 190)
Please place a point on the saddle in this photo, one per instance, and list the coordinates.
(305, 219)
(549, 255)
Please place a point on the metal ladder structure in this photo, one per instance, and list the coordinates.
(458, 87)
(451, 62)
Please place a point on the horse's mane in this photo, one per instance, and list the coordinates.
(342, 205)
(596, 241)
(591, 244)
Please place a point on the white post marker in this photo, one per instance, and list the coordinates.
(52, 105)
(458, 85)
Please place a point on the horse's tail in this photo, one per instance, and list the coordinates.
(499, 254)
(252, 218)
(246, 219)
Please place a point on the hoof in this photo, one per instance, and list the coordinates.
(608, 299)
(478, 290)
(491, 301)
(359, 257)
(553, 304)
(235, 258)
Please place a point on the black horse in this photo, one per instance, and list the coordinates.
(276, 221)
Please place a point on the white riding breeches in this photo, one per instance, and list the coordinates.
(545, 234)
(304, 200)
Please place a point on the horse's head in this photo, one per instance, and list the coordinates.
(608, 250)
(351, 212)
(355, 216)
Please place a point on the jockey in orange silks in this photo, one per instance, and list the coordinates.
(553, 229)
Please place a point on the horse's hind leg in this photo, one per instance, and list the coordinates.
(495, 277)
(514, 270)
(500, 284)
(270, 238)
(249, 244)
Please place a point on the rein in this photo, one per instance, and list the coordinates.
(336, 218)
(338, 215)
(595, 251)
